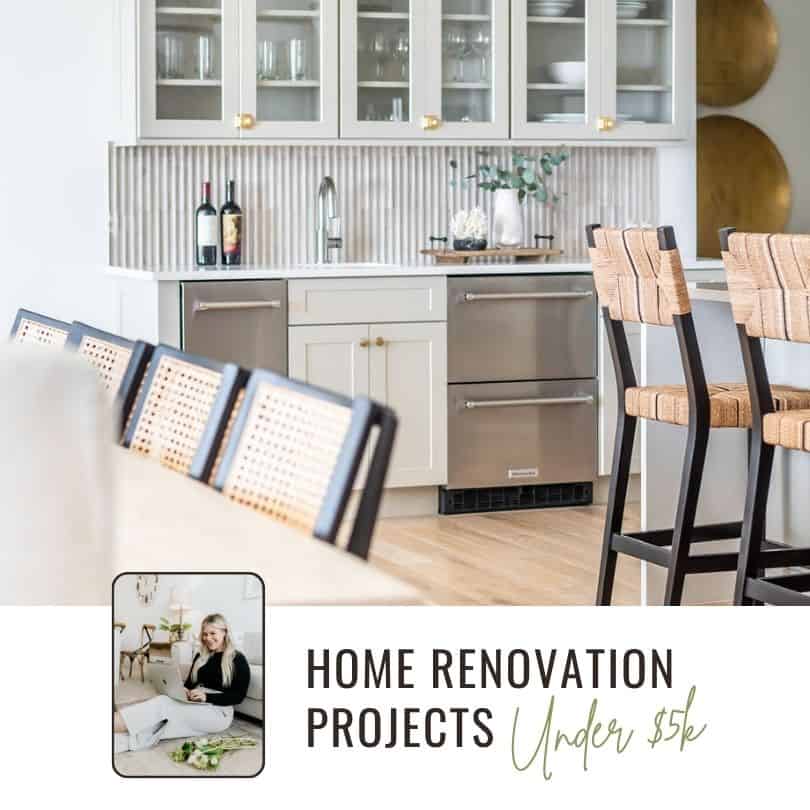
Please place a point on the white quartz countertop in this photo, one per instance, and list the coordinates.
(361, 270)
(716, 291)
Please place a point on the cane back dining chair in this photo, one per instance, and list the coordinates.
(769, 285)
(120, 363)
(182, 410)
(295, 451)
(639, 277)
(34, 329)
(142, 653)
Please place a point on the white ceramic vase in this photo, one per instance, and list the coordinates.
(507, 228)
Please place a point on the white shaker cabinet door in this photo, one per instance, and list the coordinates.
(331, 357)
(408, 373)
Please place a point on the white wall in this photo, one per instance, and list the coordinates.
(210, 593)
(780, 108)
(55, 93)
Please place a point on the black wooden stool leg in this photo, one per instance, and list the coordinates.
(619, 479)
(756, 507)
(693, 462)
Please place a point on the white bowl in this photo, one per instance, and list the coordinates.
(567, 72)
(550, 9)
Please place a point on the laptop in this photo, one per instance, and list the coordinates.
(167, 681)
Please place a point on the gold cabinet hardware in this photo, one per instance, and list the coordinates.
(364, 344)
(430, 122)
(244, 121)
(379, 341)
(605, 124)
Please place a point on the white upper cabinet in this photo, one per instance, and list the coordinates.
(602, 69)
(189, 68)
(289, 61)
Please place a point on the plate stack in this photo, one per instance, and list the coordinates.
(549, 8)
(630, 9)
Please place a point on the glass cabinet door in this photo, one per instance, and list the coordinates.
(643, 97)
(382, 67)
(468, 57)
(289, 54)
(556, 71)
(189, 64)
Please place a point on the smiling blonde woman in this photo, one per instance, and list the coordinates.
(218, 680)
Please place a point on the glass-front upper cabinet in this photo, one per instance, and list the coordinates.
(556, 68)
(289, 55)
(468, 78)
(189, 68)
(646, 68)
(383, 70)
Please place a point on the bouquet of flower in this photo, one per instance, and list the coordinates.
(471, 224)
(206, 753)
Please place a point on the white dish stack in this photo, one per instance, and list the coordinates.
(630, 9)
(549, 8)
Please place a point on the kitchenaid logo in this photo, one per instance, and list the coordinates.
(563, 720)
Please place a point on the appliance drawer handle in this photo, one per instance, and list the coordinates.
(471, 404)
(526, 296)
(222, 306)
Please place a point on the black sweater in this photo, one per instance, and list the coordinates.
(209, 675)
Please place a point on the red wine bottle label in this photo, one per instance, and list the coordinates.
(231, 233)
(206, 230)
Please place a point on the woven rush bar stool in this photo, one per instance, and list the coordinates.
(769, 284)
(294, 453)
(182, 410)
(120, 363)
(639, 277)
(34, 329)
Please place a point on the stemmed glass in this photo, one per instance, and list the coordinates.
(402, 48)
(379, 49)
(458, 47)
(480, 47)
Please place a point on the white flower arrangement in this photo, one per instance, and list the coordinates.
(472, 224)
(206, 754)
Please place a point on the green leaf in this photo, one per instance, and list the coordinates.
(453, 163)
(453, 184)
(528, 176)
(541, 195)
(521, 195)
(516, 181)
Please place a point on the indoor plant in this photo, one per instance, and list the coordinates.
(525, 178)
(175, 631)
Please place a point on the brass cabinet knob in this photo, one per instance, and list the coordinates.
(430, 122)
(605, 124)
(244, 121)
(379, 341)
(364, 344)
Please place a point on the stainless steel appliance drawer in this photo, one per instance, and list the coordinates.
(520, 328)
(508, 434)
(242, 322)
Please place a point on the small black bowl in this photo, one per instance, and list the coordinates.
(469, 244)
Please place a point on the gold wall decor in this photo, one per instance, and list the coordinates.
(738, 42)
(742, 181)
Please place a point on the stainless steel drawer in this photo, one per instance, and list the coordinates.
(503, 328)
(507, 434)
(242, 322)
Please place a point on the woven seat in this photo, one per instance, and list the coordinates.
(182, 411)
(294, 451)
(31, 328)
(730, 403)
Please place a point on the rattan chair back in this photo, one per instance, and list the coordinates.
(120, 363)
(636, 277)
(768, 278)
(182, 410)
(39, 330)
(294, 453)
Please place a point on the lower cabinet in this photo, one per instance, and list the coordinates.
(402, 365)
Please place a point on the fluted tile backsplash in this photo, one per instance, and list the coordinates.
(391, 198)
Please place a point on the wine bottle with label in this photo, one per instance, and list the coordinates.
(205, 229)
(230, 228)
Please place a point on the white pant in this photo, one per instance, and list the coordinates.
(184, 719)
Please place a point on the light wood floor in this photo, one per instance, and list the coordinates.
(537, 557)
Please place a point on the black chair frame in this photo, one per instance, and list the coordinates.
(233, 380)
(365, 415)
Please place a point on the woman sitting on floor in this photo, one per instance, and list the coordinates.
(218, 681)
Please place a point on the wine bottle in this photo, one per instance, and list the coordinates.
(205, 229)
(230, 228)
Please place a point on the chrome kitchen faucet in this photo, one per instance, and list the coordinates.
(328, 233)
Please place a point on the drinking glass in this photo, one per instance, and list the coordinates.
(379, 49)
(480, 47)
(298, 59)
(458, 47)
(204, 57)
(402, 47)
(396, 108)
(170, 56)
(268, 60)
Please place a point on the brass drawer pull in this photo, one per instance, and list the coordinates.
(379, 341)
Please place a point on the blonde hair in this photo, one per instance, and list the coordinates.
(228, 650)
